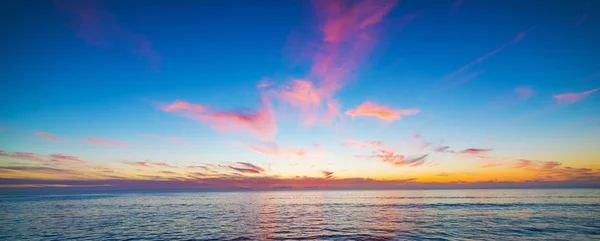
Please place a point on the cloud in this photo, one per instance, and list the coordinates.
(265, 84)
(523, 163)
(327, 174)
(98, 27)
(105, 142)
(524, 92)
(244, 170)
(490, 164)
(570, 98)
(348, 142)
(46, 170)
(60, 158)
(474, 151)
(550, 165)
(581, 19)
(348, 36)
(136, 163)
(442, 174)
(273, 149)
(161, 164)
(260, 122)
(381, 112)
(251, 166)
(182, 105)
(48, 136)
(479, 60)
(398, 160)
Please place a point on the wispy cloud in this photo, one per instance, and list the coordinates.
(273, 149)
(48, 136)
(327, 174)
(398, 160)
(348, 142)
(474, 151)
(524, 92)
(260, 122)
(34, 169)
(136, 163)
(60, 158)
(570, 98)
(522, 163)
(247, 168)
(101, 142)
(551, 165)
(380, 111)
(581, 19)
(479, 60)
(95, 25)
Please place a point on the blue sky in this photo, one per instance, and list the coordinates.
(482, 74)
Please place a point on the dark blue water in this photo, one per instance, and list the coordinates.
(542, 214)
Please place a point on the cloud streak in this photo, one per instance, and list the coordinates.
(570, 98)
(380, 111)
(48, 136)
(101, 142)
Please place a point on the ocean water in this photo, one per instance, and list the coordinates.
(518, 214)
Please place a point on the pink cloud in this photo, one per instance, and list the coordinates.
(105, 142)
(523, 163)
(347, 38)
(265, 84)
(479, 60)
(381, 112)
(524, 92)
(136, 163)
(48, 136)
(96, 26)
(474, 151)
(260, 122)
(490, 164)
(273, 149)
(60, 157)
(173, 139)
(182, 105)
(569, 98)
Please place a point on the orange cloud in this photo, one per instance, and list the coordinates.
(105, 142)
(569, 98)
(48, 136)
(381, 112)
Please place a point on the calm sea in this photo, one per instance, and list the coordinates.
(77, 214)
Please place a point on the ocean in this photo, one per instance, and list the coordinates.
(477, 214)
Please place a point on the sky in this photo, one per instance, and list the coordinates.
(263, 94)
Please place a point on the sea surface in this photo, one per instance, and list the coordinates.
(88, 214)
